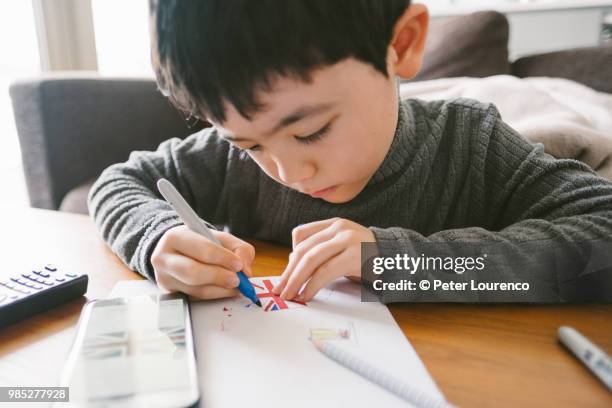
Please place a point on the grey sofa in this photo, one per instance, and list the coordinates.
(72, 126)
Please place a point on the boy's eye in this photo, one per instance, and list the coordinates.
(302, 139)
(315, 136)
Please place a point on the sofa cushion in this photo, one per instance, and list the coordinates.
(76, 199)
(474, 45)
(584, 65)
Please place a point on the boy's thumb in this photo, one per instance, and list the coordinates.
(247, 259)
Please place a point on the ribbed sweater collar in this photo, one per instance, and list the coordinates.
(401, 150)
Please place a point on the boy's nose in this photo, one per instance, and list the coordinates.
(294, 173)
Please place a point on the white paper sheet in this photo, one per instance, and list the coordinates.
(247, 356)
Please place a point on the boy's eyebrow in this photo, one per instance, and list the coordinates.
(295, 116)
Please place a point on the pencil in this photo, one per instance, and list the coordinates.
(369, 372)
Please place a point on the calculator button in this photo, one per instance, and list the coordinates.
(27, 275)
(44, 282)
(3, 297)
(51, 268)
(19, 280)
(60, 279)
(36, 286)
(10, 285)
(43, 274)
(71, 275)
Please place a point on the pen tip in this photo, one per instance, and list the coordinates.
(258, 303)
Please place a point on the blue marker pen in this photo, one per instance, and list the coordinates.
(246, 288)
(195, 223)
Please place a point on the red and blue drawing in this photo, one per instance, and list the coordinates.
(269, 300)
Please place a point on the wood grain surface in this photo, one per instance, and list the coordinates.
(479, 355)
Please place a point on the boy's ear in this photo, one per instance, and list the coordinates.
(408, 42)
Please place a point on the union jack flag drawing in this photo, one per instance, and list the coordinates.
(269, 300)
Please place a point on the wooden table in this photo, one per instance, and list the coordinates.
(479, 355)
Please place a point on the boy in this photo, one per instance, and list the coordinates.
(311, 147)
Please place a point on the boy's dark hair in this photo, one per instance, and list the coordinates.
(207, 52)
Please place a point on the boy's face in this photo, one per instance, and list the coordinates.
(325, 138)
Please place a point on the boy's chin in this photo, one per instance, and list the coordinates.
(341, 195)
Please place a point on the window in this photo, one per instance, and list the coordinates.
(20, 59)
(122, 37)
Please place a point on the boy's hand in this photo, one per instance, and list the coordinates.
(322, 252)
(187, 262)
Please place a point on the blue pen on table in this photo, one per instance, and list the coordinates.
(197, 225)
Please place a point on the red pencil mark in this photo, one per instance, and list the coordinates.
(280, 302)
(275, 299)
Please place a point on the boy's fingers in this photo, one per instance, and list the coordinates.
(299, 252)
(285, 275)
(201, 249)
(245, 254)
(324, 274)
(194, 273)
(242, 249)
(300, 233)
(248, 271)
(200, 292)
(309, 263)
(234, 244)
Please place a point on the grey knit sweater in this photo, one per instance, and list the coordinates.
(454, 172)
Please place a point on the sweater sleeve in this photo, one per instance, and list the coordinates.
(547, 217)
(132, 215)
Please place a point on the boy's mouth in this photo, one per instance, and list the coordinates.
(323, 192)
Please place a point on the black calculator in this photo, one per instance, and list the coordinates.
(25, 294)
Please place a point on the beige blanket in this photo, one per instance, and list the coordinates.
(569, 119)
